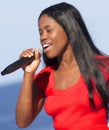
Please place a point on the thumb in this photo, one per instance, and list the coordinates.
(37, 54)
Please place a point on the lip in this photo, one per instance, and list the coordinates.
(46, 47)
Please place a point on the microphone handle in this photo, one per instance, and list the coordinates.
(17, 64)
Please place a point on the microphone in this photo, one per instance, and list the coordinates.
(17, 64)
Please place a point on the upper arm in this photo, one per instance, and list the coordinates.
(40, 84)
(38, 99)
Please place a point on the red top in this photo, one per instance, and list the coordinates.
(70, 108)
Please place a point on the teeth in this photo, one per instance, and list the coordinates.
(45, 45)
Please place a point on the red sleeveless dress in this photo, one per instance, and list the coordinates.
(70, 108)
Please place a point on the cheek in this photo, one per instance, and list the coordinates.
(62, 39)
(60, 45)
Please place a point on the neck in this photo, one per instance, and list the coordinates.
(67, 59)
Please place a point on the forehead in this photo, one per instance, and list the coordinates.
(45, 20)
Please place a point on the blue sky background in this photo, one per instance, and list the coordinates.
(19, 31)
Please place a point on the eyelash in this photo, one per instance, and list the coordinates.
(49, 30)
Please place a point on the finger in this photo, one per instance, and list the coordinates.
(37, 54)
(27, 53)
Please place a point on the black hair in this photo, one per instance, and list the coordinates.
(83, 47)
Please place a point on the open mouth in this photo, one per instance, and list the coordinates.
(45, 46)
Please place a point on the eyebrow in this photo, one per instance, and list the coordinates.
(45, 27)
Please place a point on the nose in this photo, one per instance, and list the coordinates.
(43, 36)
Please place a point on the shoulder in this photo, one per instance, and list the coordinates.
(103, 59)
(46, 69)
(41, 79)
(44, 72)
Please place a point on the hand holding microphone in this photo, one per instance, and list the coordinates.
(29, 61)
(29, 53)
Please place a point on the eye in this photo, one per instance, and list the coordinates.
(46, 30)
(41, 32)
(49, 30)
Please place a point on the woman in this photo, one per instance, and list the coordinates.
(75, 79)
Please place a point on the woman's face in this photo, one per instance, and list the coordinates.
(53, 38)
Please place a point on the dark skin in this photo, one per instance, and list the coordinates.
(61, 48)
(55, 43)
(67, 72)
